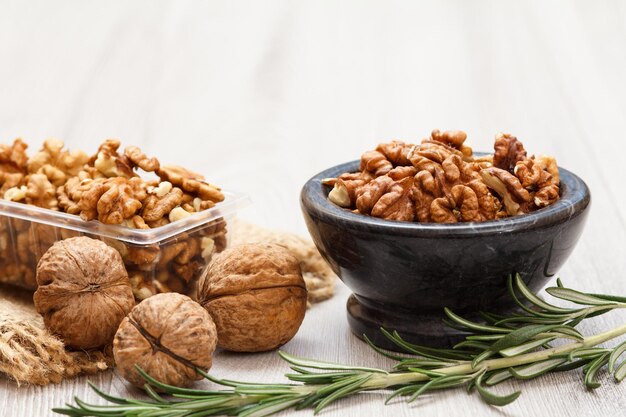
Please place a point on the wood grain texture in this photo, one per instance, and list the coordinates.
(262, 95)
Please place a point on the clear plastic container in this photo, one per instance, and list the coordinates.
(163, 259)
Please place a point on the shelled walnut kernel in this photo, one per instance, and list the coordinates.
(442, 181)
(105, 187)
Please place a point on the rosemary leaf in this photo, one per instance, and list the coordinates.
(427, 352)
(477, 327)
(551, 319)
(434, 382)
(170, 389)
(497, 377)
(472, 344)
(599, 311)
(307, 402)
(329, 389)
(454, 325)
(530, 296)
(533, 312)
(410, 389)
(300, 370)
(620, 372)
(617, 351)
(269, 408)
(485, 337)
(576, 321)
(270, 390)
(152, 394)
(318, 378)
(65, 411)
(521, 336)
(586, 353)
(160, 413)
(312, 363)
(109, 409)
(610, 297)
(481, 357)
(494, 399)
(382, 351)
(568, 366)
(596, 364)
(525, 347)
(567, 332)
(422, 363)
(470, 386)
(576, 296)
(108, 397)
(534, 370)
(342, 392)
(490, 317)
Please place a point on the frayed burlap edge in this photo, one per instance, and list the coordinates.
(30, 354)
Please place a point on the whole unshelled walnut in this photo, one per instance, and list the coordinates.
(84, 292)
(256, 296)
(168, 335)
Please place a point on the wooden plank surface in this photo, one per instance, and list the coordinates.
(262, 95)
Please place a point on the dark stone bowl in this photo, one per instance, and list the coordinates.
(403, 274)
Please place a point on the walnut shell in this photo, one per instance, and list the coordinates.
(256, 296)
(84, 291)
(167, 335)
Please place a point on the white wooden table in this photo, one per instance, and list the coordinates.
(262, 95)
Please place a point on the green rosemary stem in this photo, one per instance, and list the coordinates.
(381, 381)
(604, 337)
(513, 339)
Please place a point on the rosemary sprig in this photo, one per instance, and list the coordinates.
(518, 346)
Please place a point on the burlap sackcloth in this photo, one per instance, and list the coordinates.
(30, 354)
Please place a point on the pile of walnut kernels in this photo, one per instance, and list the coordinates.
(106, 187)
(442, 181)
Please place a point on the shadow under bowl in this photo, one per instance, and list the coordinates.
(403, 274)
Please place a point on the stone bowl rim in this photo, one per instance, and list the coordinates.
(575, 197)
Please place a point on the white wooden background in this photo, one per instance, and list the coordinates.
(262, 95)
